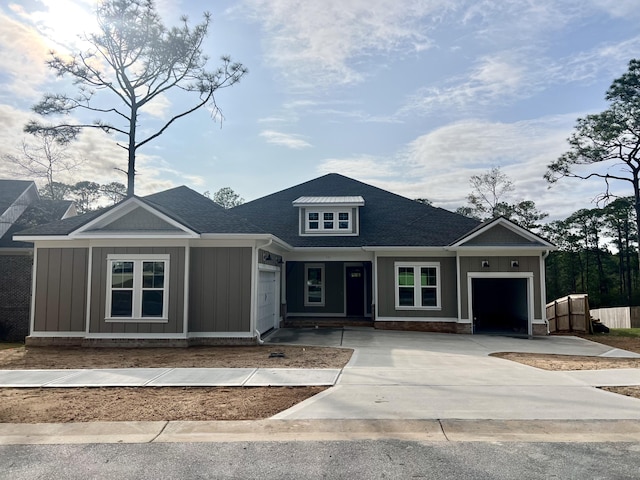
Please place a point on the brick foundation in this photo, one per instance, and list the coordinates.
(438, 327)
(135, 342)
(15, 296)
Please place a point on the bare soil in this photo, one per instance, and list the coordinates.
(58, 405)
(578, 362)
(61, 405)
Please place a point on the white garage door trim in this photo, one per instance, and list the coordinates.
(526, 275)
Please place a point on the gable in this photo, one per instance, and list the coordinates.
(500, 235)
(138, 219)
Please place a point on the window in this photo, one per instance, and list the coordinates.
(314, 285)
(137, 287)
(417, 286)
(331, 221)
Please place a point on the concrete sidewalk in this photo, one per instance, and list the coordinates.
(170, 377)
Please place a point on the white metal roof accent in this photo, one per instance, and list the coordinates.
(351, 201)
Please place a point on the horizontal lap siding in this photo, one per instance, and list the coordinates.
(387, 293)
(99, 276)
(61, 290)
(220, 289)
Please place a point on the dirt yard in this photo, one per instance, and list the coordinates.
(61, 405)
(222, 403)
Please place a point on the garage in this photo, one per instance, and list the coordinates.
(500, 306)
(268, 293)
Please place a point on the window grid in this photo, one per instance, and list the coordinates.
(137, 287)
(417, 286)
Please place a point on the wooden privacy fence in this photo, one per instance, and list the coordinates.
(569, 314)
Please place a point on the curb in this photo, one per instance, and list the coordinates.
(448, 430)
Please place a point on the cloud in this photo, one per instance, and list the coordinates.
(285, 139)
(315, 44)
(364, 167)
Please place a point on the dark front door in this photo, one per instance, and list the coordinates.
(355, 291)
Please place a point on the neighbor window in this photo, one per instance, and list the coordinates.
(137, 287)
(417, 285)
(314, 285)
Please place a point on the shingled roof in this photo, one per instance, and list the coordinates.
(182, 204)
(386, 219)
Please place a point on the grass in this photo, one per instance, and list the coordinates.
(625, 332)
(8, 345)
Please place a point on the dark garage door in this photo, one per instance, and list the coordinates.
(500, 305)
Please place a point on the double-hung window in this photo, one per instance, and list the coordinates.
(314, 285)
(137, 287)
(417, 286)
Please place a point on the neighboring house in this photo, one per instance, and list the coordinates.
(177, 268)
(20, 208)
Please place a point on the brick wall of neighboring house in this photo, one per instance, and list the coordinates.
(15, 296)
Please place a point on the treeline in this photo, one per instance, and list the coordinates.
(86, 195)
(597, 254)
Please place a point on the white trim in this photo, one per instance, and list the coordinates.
(185, 300)
(137, 335)
(458, 288)
(506, 275)
(58, 334)
(34, 271)
(523, 232)
(120, 211)
(220, 335)
(87, 319)
(138, 259)
(418, 319)
(323, 284)
(417, 286)
(374, 285)
(136, 320)
(270, 268)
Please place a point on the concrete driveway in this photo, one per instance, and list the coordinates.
(413, 375)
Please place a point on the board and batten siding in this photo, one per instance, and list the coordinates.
(61, 290)
(220, 289)
(333, 288)
(387, 289)
(99, 278)
(498, 265)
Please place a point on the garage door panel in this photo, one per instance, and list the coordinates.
(267, 300)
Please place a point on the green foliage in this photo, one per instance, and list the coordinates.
(609, 141)
(597, 255)
(86, 195)
(227, 198)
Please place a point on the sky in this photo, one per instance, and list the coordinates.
(413, 96)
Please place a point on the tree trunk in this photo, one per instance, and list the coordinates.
(131, 169)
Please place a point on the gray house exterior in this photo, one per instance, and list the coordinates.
(175, 268)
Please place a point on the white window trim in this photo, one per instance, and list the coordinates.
(336, 220)
(308, 266)
(137, 260)
(417, 288)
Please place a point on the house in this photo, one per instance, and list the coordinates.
(20, 208)
(177, 269)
